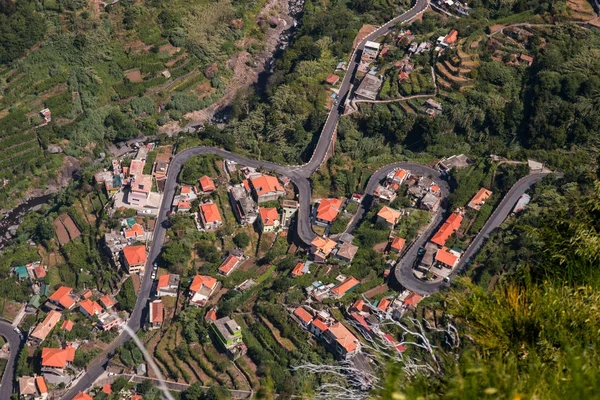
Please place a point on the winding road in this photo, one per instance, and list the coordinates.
(300, 176)
(15, 342)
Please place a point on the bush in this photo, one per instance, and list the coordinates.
(241, 240)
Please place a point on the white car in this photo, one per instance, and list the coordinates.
(154, 275)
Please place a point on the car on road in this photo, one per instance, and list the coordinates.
(17, 330)
(421, 252)
(153, 275)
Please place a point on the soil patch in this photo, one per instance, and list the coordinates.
(365, 31)
(376, 290)
(380, 247)
(581, 10)
(134, 75)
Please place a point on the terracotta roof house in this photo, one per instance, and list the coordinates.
(451, 37)
(397, 244)
(413, 299)
(321, 248)
(317, 327)
(167, 285)
(67, 325)
(27, 386)
(328, 210)
(90, 308)
(42, 388)
(344, 287)
(83, 396)
(346, 252)
(479, 199)
(268, 220)
(297, 271)
(87, 294)
(62, 297)
(156, 314)
(526, 58)
(201, 289)
(266, 188)
(383, 305)
(303, 315)
(399, 176)
(107, 389)
(39, 272)
(57, 358)
(135, 232)
(403, 76)
(332, 79)
(134, 258)
(41, 331)
(448, 258)
(211, 315)
(210, 216)
(107, 302)
(389, 216)
(230, 264)
(207, 185)
(140, 188)
(360, 306)
(184, 206)
(341, 341)
(448, 227)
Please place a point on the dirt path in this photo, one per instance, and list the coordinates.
(244, 75)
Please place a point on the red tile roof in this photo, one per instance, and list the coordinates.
(398, 243)
(200, 280)
(403, 76)
(41, 384)
(62, 297)
(43, 329)
(184, 205)
(480, 197)
(345, 286)
(39, 271)
(266, 184)
(297, 271)
(67, 325)
(303, 315)
(107, 389)
(446, 257)
(390, 215)
(135, 231)
(83, 396)
(210, 213)
(163, 281)
(383, 305)
(206, 184)
(413, 299)
(107, 301)
(57, 358)
(230, 263)
(322, 326)
(332, 79)
(448, 227)
(87, 294)
(344, 337)
(452, 36)
(268, 216)
(358, 305)
(158, 313)
(211, 315)
(136, 397)
(135, 255)
(329, 209)
(91, 307)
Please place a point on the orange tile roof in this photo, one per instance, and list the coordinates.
(229, 264)
(158, 313)
(87, 294)
(136, 167)
(211, 315)
(332, 79)
(67, 325)
(303, 315)
(83, 396)
(435, 188)
(383, 304)
(136, 397)
(43, 329)
(398, 243)
(344, 337)
(184, 205)
(200, 280)
(210, 213)
(246, 185)
(41, 384)
(446, 257)
(186, 189)
(135, 255)
(358, 305)
(345, 286)
(268, 216)
(135, 231)
(107, 389)
(107, 301)
(448, 227)
(402, 76)
(329, 209)
(206, 184)
(480, 197)
(413, 299)
(324, 245)
(322, 326)
(163, 281)
(390, 215)
(297, 271)
(57, 358)
(39, 271)
(452, 36)
(91, 307)
(266, 184)
(61, 296)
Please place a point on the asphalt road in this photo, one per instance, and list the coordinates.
(298, 174)
(8, 378)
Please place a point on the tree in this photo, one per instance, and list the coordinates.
(241, 240)
(23, 367)
(127, 296)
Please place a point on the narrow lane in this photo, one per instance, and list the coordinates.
(15, 343)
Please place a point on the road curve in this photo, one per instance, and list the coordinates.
(298, 174)
(15, 342)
